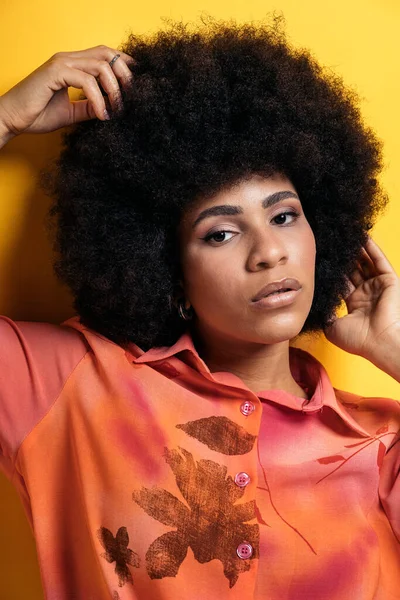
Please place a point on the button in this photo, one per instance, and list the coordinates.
(247, 408)
(242, 479)
(244, 550)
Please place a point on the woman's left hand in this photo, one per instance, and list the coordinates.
(372, 324)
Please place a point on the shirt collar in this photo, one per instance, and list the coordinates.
(184, 343)
(308, 372)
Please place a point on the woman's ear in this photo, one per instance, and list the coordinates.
(179, 296)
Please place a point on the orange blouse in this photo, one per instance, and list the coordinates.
(145, 476)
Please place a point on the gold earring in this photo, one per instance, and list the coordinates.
(184, 313)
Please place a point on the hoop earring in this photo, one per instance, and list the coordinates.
(183, 313)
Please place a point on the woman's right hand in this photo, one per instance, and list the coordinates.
(40, 102)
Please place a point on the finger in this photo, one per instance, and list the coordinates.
(82, 110)
(86, 82)
(100, 52)
(356, 278)
(351, 285)
(366, 265)
(122, 72)
(377, 256)
(104, 74)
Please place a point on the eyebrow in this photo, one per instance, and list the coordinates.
(230, 209)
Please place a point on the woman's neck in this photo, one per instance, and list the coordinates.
(260, 367)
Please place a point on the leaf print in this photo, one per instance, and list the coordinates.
(165, 555)
(259, 516)
(365, 445)
(268, 490)
(380, 455)
(214, 525)
(116, 550)
(220, 434)
(161, 505)
(354, 445)
(382, 429)
(197, 482)
(330, 459)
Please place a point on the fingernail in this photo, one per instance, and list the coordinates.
(106, 114)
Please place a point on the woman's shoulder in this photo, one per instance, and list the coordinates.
(36, 360)
(40, 341)
(359, 402)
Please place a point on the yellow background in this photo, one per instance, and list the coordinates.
(358, 39)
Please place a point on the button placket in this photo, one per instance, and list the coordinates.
(242, 479)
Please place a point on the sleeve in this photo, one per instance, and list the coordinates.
(389, 485)
(35, 361)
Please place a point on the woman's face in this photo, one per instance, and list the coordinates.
(243, 243)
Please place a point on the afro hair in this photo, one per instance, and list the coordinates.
(207, 107)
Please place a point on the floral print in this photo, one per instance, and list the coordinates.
(116, 550)
(213, 526)
(220, 434)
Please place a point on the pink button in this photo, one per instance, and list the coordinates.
(244, 550)
(242, 479)
(247, 408)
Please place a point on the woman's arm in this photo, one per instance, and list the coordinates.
(387, 356)
(5, 133)
(40, 102)
(371, 328)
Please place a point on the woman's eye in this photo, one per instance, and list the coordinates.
(285, 214)
(218, 236)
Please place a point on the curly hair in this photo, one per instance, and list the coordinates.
(207, 108)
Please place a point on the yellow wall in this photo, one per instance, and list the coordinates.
(359, 39)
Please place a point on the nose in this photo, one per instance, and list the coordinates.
(267, 250)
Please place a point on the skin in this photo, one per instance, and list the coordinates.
(222, 275)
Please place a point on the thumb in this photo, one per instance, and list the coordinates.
(83, 110)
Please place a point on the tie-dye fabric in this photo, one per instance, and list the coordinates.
(145, 476)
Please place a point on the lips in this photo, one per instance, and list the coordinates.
(289, 283)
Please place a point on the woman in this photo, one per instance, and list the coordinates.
(211, 204)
